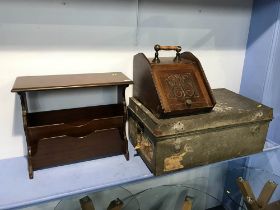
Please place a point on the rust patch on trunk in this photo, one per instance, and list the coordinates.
(140, 141)
(174, 162)
(146, 147)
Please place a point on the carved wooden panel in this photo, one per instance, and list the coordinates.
(180, 89)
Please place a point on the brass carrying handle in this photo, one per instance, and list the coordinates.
(176, 48)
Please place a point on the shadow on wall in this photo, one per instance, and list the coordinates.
(17, 122)
(17, 129)
(85, 24)
(262, 21)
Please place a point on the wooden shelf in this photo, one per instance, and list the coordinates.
(53, 82)
(60, 137)
(77, 122)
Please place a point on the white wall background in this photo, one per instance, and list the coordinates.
(40, 37)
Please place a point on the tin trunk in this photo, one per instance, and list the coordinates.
(237, 126)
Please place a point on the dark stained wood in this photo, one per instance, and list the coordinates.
(50, 82)
(191, 57)
(77, 122)
(62, 150)
(144, 88)
(67, 136)
(172, 87)
(76, 116)
(24, 109)
(122, 101)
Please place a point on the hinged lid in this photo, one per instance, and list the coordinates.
(171, 86)
(231, 110)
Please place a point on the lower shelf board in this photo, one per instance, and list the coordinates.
(62, 150)
(66, 136)
(74, 122)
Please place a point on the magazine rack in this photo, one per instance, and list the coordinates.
(66, 136)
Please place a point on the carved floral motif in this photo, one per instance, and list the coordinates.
(181, 86)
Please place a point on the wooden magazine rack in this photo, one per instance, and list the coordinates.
(66, 136)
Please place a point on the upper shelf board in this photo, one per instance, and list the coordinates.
(53, 82)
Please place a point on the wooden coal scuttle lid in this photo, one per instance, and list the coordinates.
(171, 87)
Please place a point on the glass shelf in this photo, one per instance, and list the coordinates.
(201, 191)
(270, 145)
(166, 197)
(174, 197)
(101, 200)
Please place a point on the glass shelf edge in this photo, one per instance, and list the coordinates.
(270, 146)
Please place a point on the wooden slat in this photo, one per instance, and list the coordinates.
(51, 82)
(273, 206)
(245, 188)
(266, 193)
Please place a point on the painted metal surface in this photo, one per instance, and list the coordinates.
(236, 127)
(231, 109)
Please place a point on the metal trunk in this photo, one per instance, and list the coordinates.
(237, 126)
